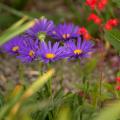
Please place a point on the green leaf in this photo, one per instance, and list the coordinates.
(14, 32)
(110, 113)
(18, 23)
(64, 113)
(113, 37)
(15, 103)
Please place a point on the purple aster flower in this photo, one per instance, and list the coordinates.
(13, 46)
(64, 32)
(80, 49)
(49, 53)
(41, 28)
(28, 52)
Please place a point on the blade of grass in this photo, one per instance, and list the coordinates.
(14, 32)
(30, 91)
(5, 109)
(64, 113)
(18, 23)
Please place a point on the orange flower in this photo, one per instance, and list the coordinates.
(83, 31)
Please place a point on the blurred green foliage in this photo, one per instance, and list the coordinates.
(34, 102)
(113, 37)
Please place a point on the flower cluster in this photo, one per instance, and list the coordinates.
(101, 5)
(91, 3)
(65, 43)
(111, 23)
(98, 5)
(96, 19)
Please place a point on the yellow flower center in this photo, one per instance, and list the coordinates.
(15, 48)
(50, 55)
(31, 53)
(77, 51)
(66, 36)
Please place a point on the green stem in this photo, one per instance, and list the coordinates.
(40, 65)
(49, 90)
(21, 73)
(48, 86)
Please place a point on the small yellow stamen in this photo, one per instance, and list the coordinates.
(77, 51)
(66, 36)
(15, 48)
(50, 55)
(31, 53)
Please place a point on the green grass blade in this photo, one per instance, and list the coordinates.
(18, 23)
(14, 32)
(110, 113)
(39, 83)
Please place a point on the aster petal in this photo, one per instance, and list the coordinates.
(54, 50)
(79, 43)
(55, 47)
(65, 32)
(78, 50)
(41, 25)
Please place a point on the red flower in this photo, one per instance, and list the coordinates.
(108, 27)
(97, 21)
(101, 5)
(93, 17)
(111, 23)
(83, 31)
(114, 22)
(118, 79)
(118, 88)
(91, 3)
